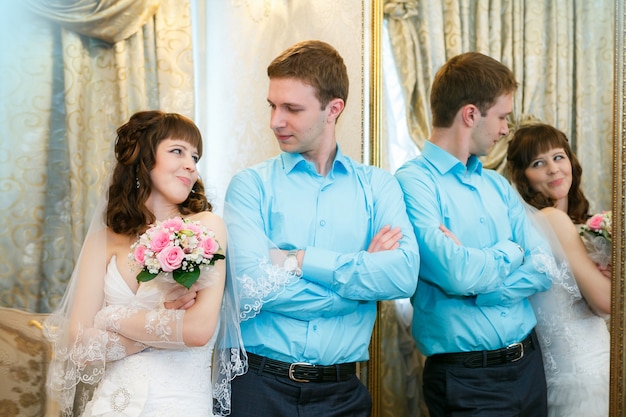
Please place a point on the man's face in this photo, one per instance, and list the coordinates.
(490, 128)
(297, 119)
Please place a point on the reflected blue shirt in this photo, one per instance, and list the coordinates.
(473, 296)
(327, 316)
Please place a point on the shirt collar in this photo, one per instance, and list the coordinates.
(445, 162)
(341, 162)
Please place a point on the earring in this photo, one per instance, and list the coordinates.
(137, 182)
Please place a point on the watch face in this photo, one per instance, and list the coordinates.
(291, 263)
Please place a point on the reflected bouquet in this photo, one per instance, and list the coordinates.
(596, 235)
(176, 245)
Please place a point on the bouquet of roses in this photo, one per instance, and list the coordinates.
(596, 235)
(599, 225)
(176, 245)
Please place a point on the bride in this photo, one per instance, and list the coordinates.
(124, 347)
(571, 315)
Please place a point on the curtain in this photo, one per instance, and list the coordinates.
(111, 21)
(560, 52)
(66, 85)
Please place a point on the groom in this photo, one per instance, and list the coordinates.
(347, 241)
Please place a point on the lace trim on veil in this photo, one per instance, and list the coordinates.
(255, 292)
(559, 271)
(259, 273)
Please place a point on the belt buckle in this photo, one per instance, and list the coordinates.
(291, 371)
(510, 348)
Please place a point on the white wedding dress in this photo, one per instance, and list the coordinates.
(575, 344)
(154, 382)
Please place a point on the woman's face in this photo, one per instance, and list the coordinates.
(550, 174)
(174, 172)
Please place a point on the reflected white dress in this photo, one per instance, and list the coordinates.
(575, 344)
(154, 382)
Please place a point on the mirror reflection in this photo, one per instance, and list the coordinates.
(547, 47)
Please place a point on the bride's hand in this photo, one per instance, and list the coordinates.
(606, 270)
(180, 298)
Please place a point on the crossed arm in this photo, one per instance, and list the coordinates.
(387, 238)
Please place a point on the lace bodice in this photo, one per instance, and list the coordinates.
(575, 345)
(568, 330)
(154, 382)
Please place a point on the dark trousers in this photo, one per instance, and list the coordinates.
(516, 389)
(258, 394)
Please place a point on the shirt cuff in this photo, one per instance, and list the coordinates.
(318, 265)
(513, 252)
(490, 299)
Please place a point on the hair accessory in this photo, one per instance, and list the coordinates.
(137, 182)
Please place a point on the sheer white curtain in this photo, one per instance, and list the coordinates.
(399, 147)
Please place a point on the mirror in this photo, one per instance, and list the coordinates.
(376, 376)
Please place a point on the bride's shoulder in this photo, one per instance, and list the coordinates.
(206, 217)
(559, 220)
(210, 220)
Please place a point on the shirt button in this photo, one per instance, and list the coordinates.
(322, 222)
(503, 314)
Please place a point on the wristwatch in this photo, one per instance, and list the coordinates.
(291, 263)
(523, 252)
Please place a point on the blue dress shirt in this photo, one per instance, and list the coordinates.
(327, 316)
(473, 296)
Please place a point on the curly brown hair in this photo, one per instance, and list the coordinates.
(527, 143)
(135, 152)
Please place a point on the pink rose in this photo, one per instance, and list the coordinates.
(174, 224)
(195, 228)
(595, 222)
(171, 258)
(159, 240)
(140, 254)
(209, 245)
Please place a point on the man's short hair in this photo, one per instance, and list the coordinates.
(317, 64)
(469, 78)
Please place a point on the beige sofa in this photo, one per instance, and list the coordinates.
(24, 358)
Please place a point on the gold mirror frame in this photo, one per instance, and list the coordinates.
(618, 310)
(375, 114)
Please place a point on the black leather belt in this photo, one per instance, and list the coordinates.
(302, 372)
(481, 359)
